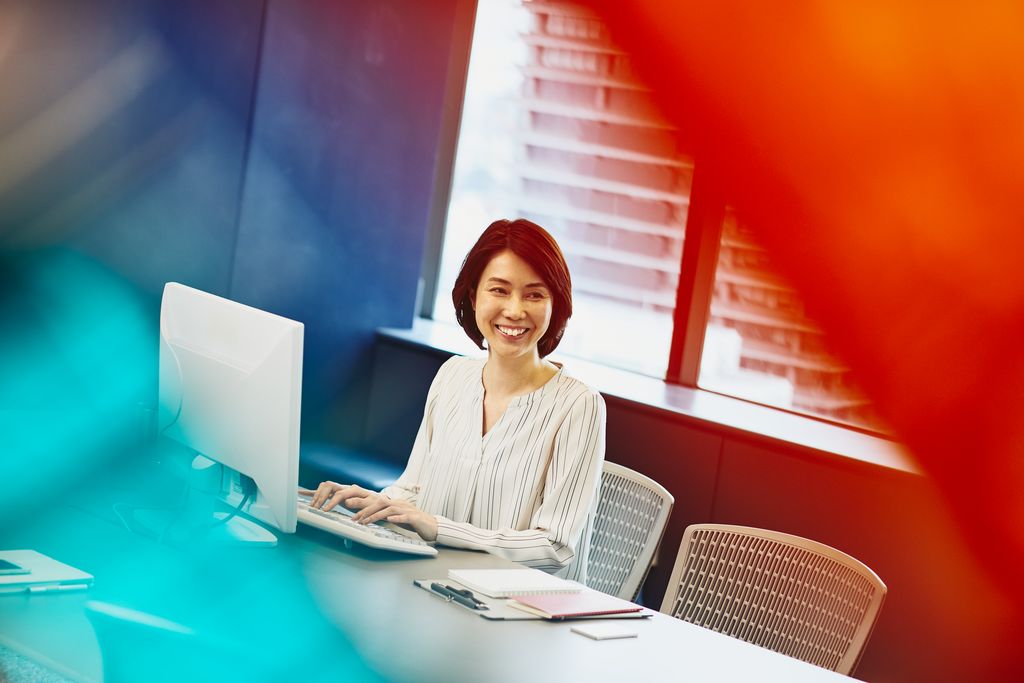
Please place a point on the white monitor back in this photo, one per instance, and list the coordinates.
(230, 388)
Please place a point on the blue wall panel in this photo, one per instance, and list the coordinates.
(337, 192)
(280, 153)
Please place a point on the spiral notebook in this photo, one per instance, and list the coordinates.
(502, 583)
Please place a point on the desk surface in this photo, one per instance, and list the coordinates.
(311, 605)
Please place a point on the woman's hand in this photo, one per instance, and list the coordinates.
(372, 507)
(397, 512)
(329, 494)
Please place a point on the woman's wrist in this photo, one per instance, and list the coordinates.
(431, 531)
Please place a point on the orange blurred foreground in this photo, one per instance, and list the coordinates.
(876, 148)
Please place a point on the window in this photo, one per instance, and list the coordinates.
(557, 128)
(761, 346)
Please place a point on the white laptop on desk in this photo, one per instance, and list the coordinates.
(30, 571)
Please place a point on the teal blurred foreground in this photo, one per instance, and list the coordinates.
(79, 467)
(77, 370)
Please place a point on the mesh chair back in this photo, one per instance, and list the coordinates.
(785, 593)
(632, 511)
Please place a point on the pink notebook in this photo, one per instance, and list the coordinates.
(588, 603)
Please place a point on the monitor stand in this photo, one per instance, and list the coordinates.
(179, 528)
(238, 531)
(198, 520)
(207, 477)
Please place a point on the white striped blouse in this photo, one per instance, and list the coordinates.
(526, 490)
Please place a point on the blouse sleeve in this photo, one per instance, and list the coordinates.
(408, 485)
(569, 489)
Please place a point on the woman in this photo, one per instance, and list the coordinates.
(509, 453)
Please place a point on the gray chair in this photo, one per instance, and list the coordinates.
(632, 512)
(785, 593)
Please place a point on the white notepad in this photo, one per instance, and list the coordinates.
(45, 574)
(501, 583)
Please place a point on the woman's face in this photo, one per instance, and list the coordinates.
(512, 305)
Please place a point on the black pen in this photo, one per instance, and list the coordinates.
(459, 596)
(468, 594)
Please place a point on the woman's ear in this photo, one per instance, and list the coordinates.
(472, 299)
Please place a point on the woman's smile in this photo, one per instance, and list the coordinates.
(512, 305)
(512, 332)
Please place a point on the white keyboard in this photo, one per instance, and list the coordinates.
(339, 522)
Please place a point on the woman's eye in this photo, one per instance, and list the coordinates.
(498, 290)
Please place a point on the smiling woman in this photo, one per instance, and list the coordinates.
(502, 296)
(509, 453)
(514, 301)
(520, 248)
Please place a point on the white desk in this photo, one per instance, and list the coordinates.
(315, 607)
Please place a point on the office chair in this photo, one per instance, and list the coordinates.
(785, 593)
(632, 512)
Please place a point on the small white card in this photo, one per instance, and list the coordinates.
(604, 631)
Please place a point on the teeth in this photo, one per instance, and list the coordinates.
(511, 332)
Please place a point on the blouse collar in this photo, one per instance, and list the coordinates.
(529, 397)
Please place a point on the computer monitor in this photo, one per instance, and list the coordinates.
(230, 390)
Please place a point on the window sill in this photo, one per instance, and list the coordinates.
(713, 410)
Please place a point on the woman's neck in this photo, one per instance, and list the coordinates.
(515, 376)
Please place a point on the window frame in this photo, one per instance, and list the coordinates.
(698, 263)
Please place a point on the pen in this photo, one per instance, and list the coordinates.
(58, 587)
(459, 596)
(468, 594)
